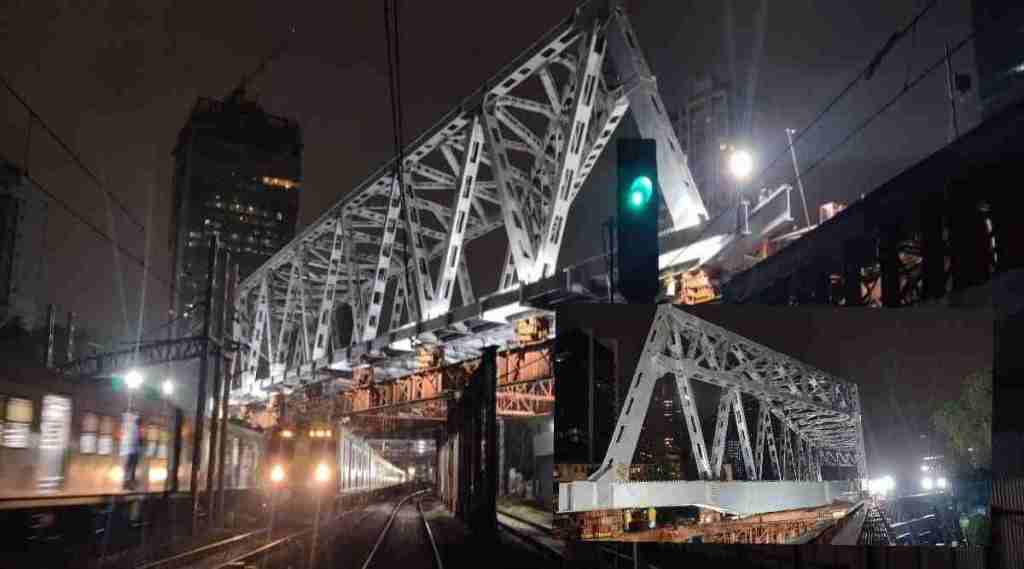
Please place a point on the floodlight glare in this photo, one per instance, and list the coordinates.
(741, 164)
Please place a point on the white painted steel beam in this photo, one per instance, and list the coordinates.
(739, 498)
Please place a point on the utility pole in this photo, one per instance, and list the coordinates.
(71, 337)
(197, 428)
(227, 318)
(51, 315)
(215, 414)
(799, 183)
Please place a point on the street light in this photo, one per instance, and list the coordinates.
(941, 483)
(927, 483)
(133, 379)
(167, 387)
(741, 164)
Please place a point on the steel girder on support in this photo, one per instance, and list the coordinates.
(812, 406)
(146, 354)
(541, 125)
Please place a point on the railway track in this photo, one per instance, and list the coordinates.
(417, 498)
(249, 549)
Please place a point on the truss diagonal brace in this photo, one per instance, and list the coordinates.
(677, 186)
(631, 418)
(457, 230)
(277, 365)
(684, 390)
(572, 155)
(260, 326)
(380, 275)
(721, 428)
(520, 242)
(741, 429)
(324, 320)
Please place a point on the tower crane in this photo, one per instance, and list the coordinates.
(238, 93)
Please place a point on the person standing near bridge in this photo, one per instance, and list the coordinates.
(132, 447)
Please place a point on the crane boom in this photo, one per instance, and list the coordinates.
(239, 91)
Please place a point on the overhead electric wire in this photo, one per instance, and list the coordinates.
(866, 73)
(74, 155)
(903, 91)
(391, 25)
(92, 226)
(907, 86)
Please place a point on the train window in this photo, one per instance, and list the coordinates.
(18, 421)
(105, 443)
(90, 427)
(152, 440)
(165, 438)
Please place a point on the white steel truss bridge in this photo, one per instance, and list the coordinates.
(380, 271)
(806, 418)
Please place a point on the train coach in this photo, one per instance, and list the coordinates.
(69, 437)
(312, 460)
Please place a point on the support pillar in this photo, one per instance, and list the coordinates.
(851, 276)
(889, 257)
(488, 513)
(933, 248)
(502, 482)
(51, 315)
(970, 251)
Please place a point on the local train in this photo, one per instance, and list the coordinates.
(309, 461)
(63, 436)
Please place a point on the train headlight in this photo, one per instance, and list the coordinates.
(158, 474)
(322, 473)
(286, 434)
(277, 474)
(116, 474)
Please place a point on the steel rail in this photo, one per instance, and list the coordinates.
(387, 526)
(430, 536)
(199, 552)
(267, 547)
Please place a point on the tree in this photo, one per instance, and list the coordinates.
(966, 422)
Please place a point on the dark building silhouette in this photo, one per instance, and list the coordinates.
(708, 125)
(572, 418)
(23, 215)
(999, 52)
(238, 173)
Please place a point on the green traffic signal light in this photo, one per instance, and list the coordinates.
(640, 191)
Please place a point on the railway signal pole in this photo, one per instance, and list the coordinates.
(637, 220)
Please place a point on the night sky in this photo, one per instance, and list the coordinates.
(117, 82)
(900, 359)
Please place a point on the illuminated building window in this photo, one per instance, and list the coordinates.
(280, 216)
(282, 183)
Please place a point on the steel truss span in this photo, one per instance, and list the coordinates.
(806, 418)
(513, 157)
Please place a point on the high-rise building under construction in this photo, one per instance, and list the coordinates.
(238, 173)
